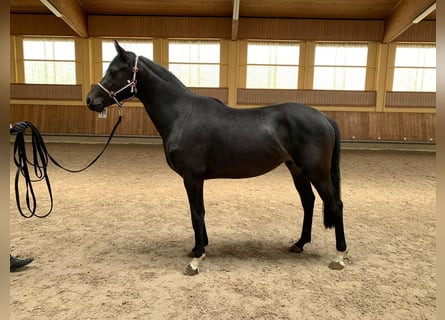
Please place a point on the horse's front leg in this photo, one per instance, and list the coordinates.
(194, 188)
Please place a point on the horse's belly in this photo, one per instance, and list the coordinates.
(235, 152)
(245, 165)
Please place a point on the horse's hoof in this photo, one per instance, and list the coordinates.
(336, 265)
(189, 271)
(296, 249)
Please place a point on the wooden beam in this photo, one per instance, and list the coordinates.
(71, 13)
(235, 19)
(401, 18)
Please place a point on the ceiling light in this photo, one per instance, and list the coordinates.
(425, 13)
(236, 9)
(53, 9)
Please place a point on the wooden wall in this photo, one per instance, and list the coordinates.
(360, 126)
(376, 114)
(79, 120)
(385, 126)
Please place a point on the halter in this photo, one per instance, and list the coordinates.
(131, 84)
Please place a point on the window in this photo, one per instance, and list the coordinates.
(139, 47)
(195, 63)
(272, 65)
(415, 68)
(49, 61)
(340, 66)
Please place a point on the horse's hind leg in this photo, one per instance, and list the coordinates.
(333, 218)
(307, 196)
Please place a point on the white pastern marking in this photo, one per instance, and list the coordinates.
(339, 257)
(195, 262)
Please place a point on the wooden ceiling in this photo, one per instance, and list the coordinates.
(397, 14)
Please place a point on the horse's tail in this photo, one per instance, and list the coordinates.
(332, 217)
(335, 161)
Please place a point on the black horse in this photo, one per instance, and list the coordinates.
(205, 139)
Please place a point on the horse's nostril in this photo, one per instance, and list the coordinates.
(88, 100)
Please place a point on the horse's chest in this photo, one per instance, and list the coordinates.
(171, 155)
(183, 158)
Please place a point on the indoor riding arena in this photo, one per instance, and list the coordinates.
(207, 189)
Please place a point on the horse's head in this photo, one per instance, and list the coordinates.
(118, 84)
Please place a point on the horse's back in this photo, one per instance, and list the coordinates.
(287, 127)
(219, 141)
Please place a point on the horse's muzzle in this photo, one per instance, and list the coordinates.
(98, 107)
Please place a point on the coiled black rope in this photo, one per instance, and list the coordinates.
(40, 160)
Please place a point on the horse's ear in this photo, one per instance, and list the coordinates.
(120, 51)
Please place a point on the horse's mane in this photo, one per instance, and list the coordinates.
(161, 72)
(169, 78)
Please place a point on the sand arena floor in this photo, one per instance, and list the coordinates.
(115, 245)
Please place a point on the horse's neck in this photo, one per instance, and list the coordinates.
(163, 96)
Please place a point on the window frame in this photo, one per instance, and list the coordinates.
(345, 67)
(196, 63)
(75, 60)
(297, 65)
(394, 67)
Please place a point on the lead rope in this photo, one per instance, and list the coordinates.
(40, 151)
(40, 164)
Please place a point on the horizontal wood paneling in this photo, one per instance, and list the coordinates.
(80, 120)
(46, 92)
(379, 126)
(366, 126)
(410, 99)
(209, 8)
(310, 97)
(424, 31)
(311, 29)
(353, 125)
(319, 9)
(56, 118)
(418, 126)
(219, 27)
(165, 27)
(39, 25)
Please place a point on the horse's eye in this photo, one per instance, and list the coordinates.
(113, 72)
